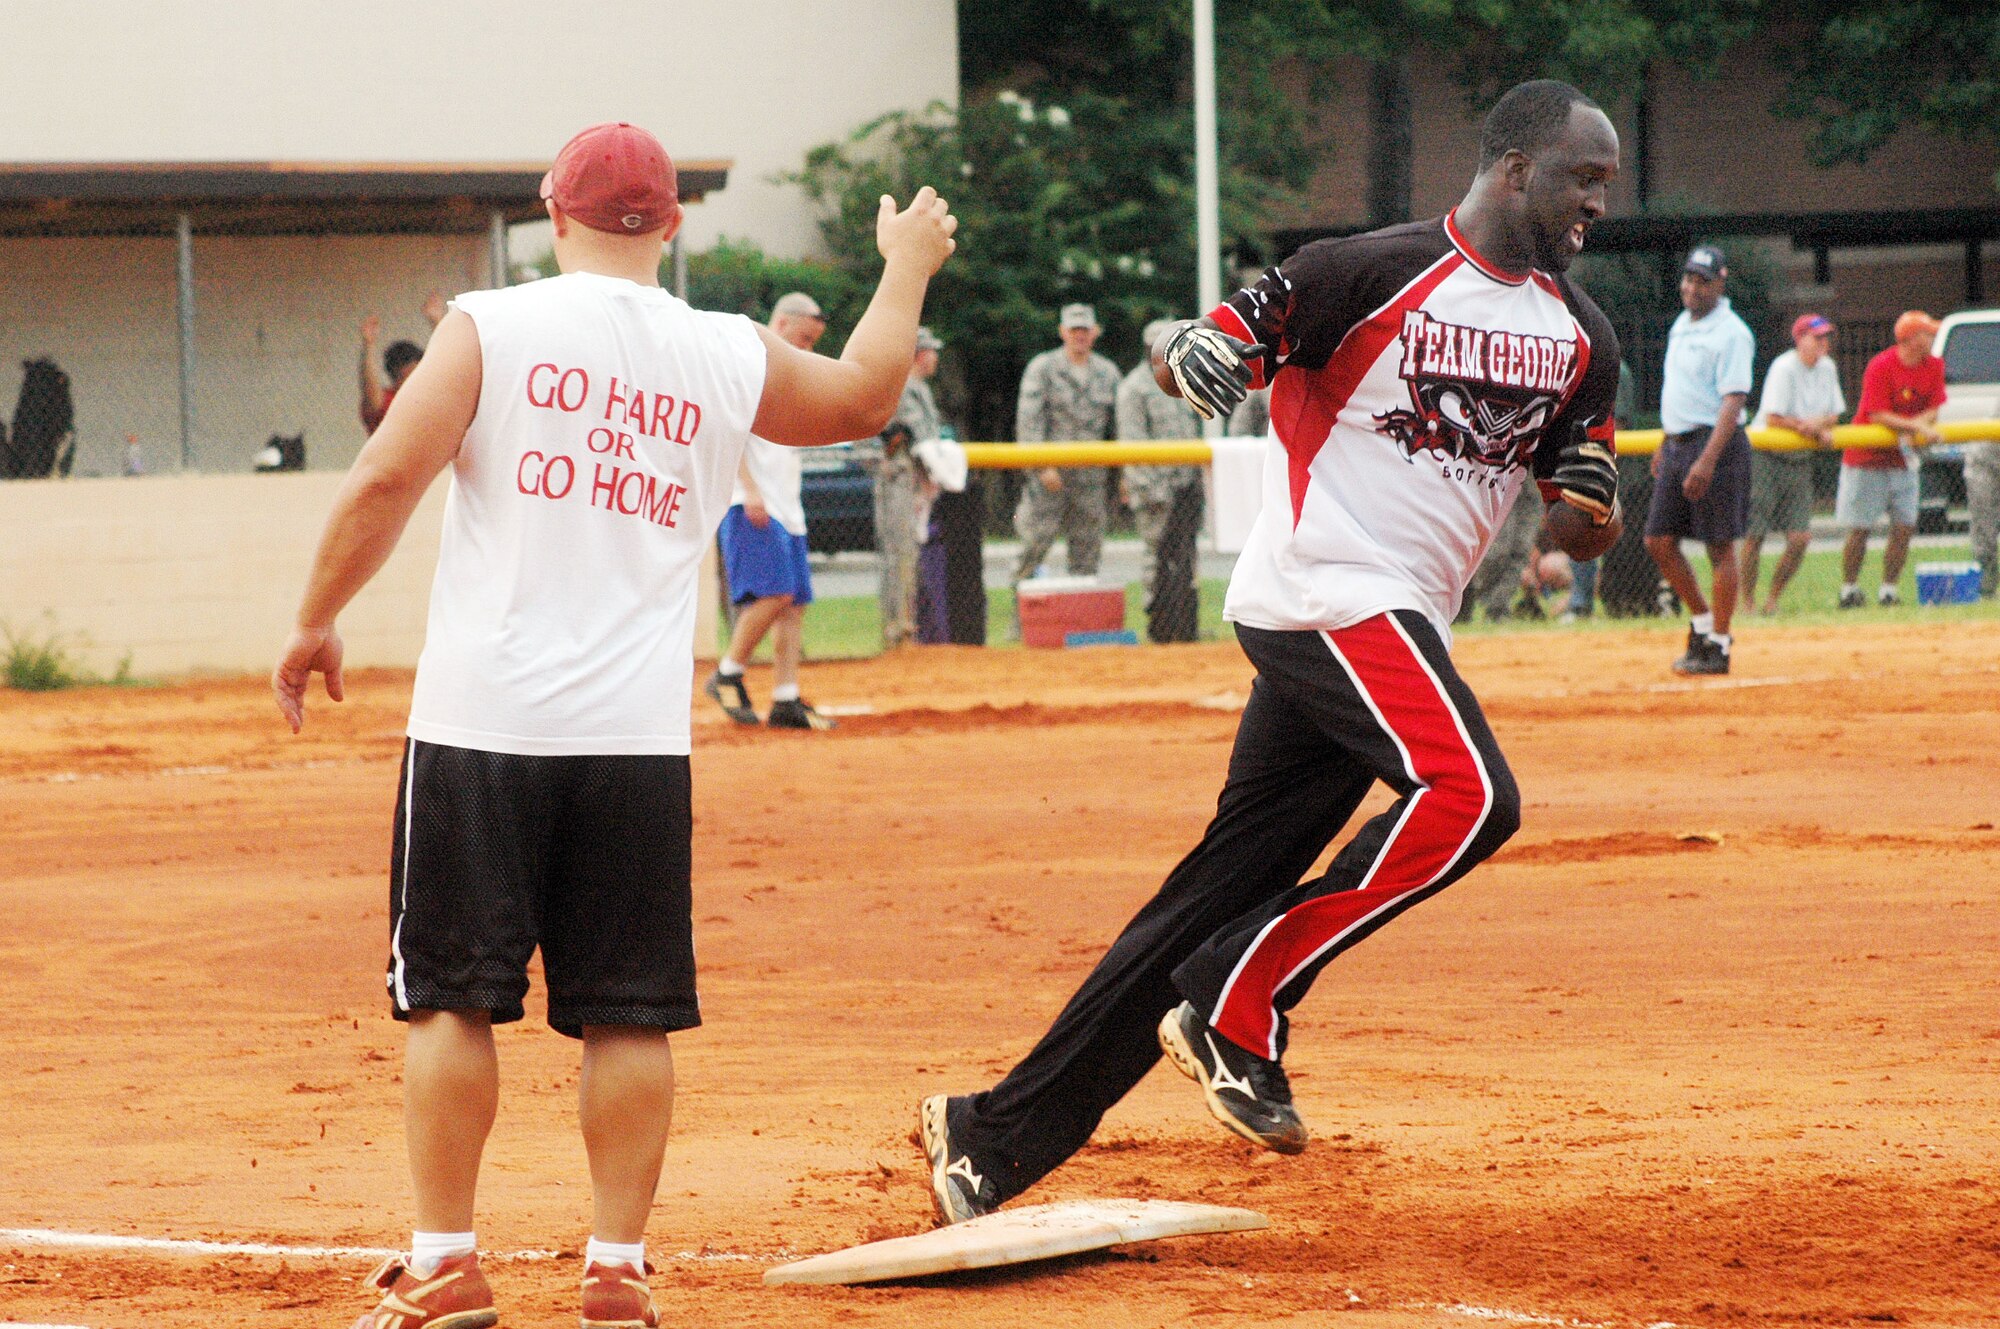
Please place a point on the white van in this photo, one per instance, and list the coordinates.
(1969, 341)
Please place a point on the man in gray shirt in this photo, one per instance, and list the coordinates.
(1067, 396)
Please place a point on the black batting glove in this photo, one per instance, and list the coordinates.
(1586, 474)
(1210, 368)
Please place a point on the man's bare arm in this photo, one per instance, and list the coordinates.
(418, 438)
(810, 400)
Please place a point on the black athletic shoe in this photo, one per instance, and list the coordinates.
(732, 696)
(1705, 655)
(959, 1187)
(1246, 1093)
(1853, 599)
(796, 713)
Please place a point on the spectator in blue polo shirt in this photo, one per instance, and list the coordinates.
(1701, 475)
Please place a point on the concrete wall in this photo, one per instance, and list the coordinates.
(474, 80)
(196, 573)
(277, 337)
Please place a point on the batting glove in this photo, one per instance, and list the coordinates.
(1210, 370)
(1587, 476)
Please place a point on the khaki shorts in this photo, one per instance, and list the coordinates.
(1781, 494)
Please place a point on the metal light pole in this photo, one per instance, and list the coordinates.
(1208, 222)
(184, 309)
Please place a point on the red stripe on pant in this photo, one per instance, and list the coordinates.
(1439, 820)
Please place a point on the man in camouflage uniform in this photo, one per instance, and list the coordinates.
(1497, 582)
(1147, 412)
(1251, 418)
(1066, 396)
(897, 480)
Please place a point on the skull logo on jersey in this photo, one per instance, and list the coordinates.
(1477, 394)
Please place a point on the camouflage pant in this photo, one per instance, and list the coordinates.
(1076, 512)
(897, 537)
(1982, 501)
(1497, 583)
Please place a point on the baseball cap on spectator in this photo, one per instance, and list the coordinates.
(799, 304)
(1814, 324)
(1914, 322)
(1078, 316)
(928, 340)
(615, 177)
(1706, 261)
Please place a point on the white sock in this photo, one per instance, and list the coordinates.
(1721, 640)
(1848, 587)
(428, 1249)
(728, 668)
(785, 692)
(616, 1252)
(1704, 623)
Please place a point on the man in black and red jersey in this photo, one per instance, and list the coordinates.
(1421, 377)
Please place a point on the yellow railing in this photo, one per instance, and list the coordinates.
(1631, 442)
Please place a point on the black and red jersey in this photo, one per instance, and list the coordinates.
(1413, 385)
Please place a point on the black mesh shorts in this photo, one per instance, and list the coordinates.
(586, 857)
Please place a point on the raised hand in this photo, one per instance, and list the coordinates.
(919, 234)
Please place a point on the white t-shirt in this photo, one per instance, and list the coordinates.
(610, 421)
(1805, 394)
(780, 477)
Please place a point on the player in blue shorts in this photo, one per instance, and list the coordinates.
(764, 557)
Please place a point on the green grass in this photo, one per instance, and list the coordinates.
(46, 663)
(850, 627)
(1809, 601)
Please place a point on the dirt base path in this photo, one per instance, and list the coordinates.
(1713, 1041)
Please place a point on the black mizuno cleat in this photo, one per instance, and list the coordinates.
(1705, 655)
(1245, 1092)
(959, 1187)
(732, 696)
(796, 713)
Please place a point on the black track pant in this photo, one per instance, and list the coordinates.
(1234, 930)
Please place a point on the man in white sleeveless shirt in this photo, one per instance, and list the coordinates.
(593, 424)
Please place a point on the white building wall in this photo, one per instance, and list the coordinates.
(459, 80)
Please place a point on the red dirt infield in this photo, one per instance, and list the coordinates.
(1714, 1041)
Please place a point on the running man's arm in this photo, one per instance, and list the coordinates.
(418, 438)
(810, 400)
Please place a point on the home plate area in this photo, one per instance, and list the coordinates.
(1017, 1236)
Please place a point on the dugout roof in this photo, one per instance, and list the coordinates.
(285, 198)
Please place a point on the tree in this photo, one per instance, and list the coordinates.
(1860, 72)
(1089, 200)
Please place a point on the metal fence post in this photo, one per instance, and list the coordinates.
(184, 234)
(496, 249)
(680, 259)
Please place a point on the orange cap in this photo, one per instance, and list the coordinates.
(1914, 322)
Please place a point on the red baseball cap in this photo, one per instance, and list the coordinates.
(614, 177)
(1815, 323)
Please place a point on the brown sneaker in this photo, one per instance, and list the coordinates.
(615, 1296)
(452, 1296)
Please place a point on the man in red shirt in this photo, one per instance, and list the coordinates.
(1902, 388)
(398, 362)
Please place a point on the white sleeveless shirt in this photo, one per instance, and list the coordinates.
(611, 420)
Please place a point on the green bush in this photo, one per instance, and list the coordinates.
(40, 664)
